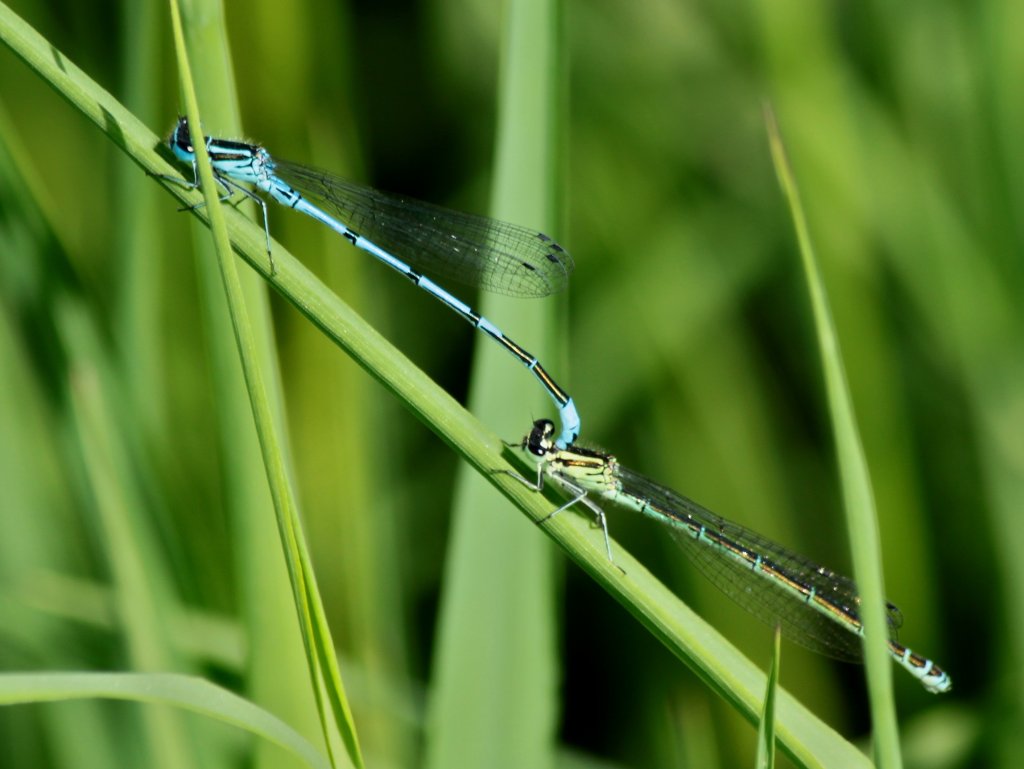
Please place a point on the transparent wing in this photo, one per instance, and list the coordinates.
(771, 582)
(473, 250)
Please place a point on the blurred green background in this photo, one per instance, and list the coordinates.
(691, 356)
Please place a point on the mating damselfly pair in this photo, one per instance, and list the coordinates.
(814, 606)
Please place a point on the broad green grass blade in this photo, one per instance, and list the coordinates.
(497, 633)
(184, 692)
(856, 484)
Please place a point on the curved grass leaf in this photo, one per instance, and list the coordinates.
(180, 691)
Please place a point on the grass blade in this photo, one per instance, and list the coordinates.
(862, 521)
(185, 692)
(497, 630)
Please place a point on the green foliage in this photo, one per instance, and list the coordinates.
(137, 531)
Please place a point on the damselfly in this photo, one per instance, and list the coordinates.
(475, 250)
(814, 606)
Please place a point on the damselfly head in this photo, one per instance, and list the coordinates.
(539, 442)
(180, 140)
